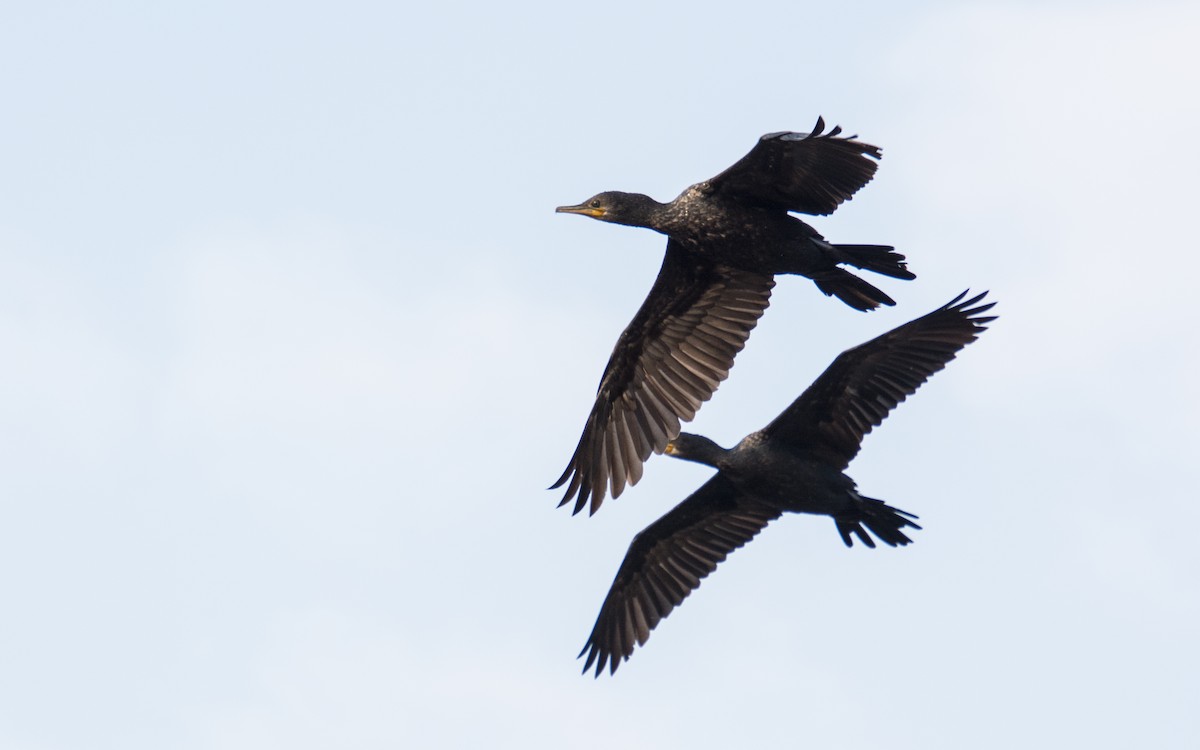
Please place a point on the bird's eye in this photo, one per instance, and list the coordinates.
(595, 204)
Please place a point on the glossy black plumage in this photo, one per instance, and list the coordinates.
(795, 464)
(727, 238)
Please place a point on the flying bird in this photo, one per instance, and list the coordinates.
(795, 464)
(727, 238)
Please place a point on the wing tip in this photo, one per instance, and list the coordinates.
(971, 308)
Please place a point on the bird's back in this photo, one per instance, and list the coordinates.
(725, 231)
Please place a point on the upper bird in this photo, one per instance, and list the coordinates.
(795, 464)
(727, 238)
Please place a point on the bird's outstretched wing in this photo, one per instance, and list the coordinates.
(666, 562)
(668, 361)
(811, 173)
(865, 383)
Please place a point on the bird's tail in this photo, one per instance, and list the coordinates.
(847, 287)
(855, 292)
(883, 520)
(878, 258)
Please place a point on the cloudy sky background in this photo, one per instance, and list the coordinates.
(293, 343)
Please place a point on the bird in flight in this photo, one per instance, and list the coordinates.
(795, 464)
(727, 237)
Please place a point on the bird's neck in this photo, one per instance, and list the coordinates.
(642, 211)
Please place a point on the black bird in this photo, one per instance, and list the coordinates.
(727, 238)
(795, 464)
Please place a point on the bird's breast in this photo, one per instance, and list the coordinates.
(795, 483)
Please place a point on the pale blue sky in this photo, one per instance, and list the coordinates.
(294, 342)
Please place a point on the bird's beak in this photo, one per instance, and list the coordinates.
(582, 209)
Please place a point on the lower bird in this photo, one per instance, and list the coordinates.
(795, 464)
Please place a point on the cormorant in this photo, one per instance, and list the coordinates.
(795, 464)
(727, 238)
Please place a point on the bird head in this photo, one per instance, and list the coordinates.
(633, 209)
(697, 448)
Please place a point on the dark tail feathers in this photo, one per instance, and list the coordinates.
(854, 291)
(878, 258)
(883, 520)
